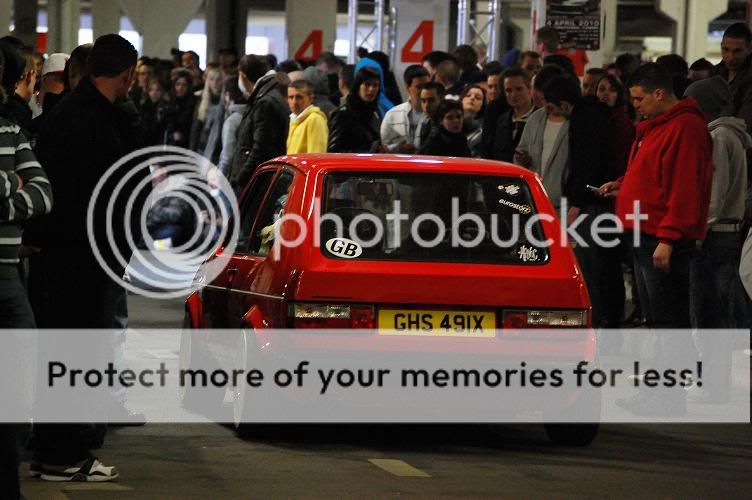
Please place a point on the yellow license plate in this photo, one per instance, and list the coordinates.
(422, 323)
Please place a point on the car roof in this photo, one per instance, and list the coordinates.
(314, 163)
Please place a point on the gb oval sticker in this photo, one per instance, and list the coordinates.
(342, 247)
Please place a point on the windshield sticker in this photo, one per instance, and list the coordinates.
(343, 247)
(528, 254)
(523, 209)
(510, 189)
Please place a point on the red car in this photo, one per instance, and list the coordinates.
(409, 285)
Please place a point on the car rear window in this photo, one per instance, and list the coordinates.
(478, 213)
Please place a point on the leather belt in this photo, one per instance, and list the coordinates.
(726, 228)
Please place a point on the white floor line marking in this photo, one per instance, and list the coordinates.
(95, 487)
(398, 467)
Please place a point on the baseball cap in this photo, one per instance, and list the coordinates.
(55, 63)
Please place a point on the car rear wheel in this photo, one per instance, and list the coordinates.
(572, 434)
(579, 422)
(241, 398)
(204, 400)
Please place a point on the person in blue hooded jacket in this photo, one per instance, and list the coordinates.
(384, 104)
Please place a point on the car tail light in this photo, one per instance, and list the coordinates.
(517, 319)
(309, 315)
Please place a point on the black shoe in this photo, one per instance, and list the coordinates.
(122, 417)
(661, 406)
(90, 470)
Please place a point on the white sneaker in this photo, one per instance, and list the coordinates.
(90, 470)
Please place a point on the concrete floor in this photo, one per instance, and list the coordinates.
(211, 461)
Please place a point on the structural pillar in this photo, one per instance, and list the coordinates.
(241, 25)
(105, 16)
(495, 31)
(24, 20)
(6, 6)
(352, 30)
(609, 17)
(422, 27)
(691, 18)
(676, 10)
(64, 21)
(537, 19)
(463, 22)
(607, 51)
(222, 26)
(311, 28)
(160, 23)
(516, 19)
(699, 15)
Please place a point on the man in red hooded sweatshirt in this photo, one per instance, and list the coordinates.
(669, 175)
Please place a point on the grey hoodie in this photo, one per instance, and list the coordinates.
(230, 135)
(730, 141)
(320, 83)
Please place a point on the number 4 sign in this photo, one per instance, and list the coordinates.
(423, 34)
(313, 44)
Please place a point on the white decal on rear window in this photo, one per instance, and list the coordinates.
(528, 254)
(523, 209)
(510, 189)
(343, 247)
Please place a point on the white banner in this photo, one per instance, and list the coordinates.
(422, 27)
(398, 373)
(311, 28)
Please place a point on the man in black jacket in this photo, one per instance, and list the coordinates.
(736, 69)
(84, 135)
(15, 71)
(24, 193)
(504, 136)
(590, 163)
(262, 133)
(431, 95)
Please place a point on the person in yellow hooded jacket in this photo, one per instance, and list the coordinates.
(309, 131)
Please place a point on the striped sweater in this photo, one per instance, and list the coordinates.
(34, 197)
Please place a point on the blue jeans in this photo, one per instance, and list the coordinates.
(713, 268)
(665, 299)
(664, 295)
(15, 312)
(81, 296)
(713, 275)
(601, 268)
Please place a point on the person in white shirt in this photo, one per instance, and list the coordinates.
(400, 125)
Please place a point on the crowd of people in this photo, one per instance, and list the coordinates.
(671, 135)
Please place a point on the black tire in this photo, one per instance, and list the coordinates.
(572, 434)
(242, 399)
(207, 400)
(241, 402)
